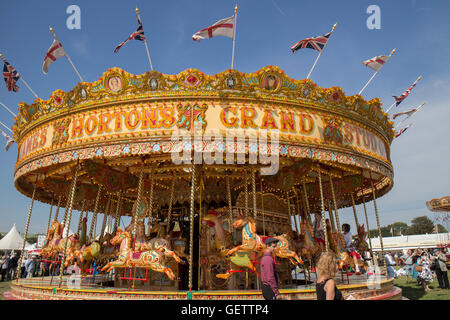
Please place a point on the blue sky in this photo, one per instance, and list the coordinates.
(265, 30)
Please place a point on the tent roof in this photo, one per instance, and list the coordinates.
(12, 240)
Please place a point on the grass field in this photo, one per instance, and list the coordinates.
(4, 286)
(413, 291)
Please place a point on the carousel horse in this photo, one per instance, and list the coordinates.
(253, 242)
(87, 253)
(346, 260)
(54, 234)
(223, 242)
(107, 250)
(152, 259)
(309, 248)
(361, 244)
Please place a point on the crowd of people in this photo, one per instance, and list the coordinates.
(424, 266)
(8, 266)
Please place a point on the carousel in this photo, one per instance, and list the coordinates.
(178, 180)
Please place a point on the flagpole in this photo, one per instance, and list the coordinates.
(145, 40)
(389, 109)
(420, 77)
(409, 115)
(67, 56)
(320, 53)
(4, 106)
(392, 52)
(234, 35)
(6, 127)
(21, 78)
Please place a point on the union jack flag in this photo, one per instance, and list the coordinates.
(399, 100)
(317, 43)
(137, 35)
(11, 76)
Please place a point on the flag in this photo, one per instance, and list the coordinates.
(11, 76)
(317, 43)
(137, 35)
(376, 63)
(399, 100)
(224, 27)
(398, 133)
(408, 113)
(9, 140)
(55, 52)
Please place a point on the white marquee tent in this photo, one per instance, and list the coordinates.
(13, 241)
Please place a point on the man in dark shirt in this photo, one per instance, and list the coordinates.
(269, 275)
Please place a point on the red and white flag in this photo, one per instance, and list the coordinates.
(55, 52)
(376, 63)
(399, 132)
(224, 27)
(408, 113)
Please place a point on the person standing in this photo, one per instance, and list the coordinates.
(425, 276)
(30, 266)
(440, 261)
(389, 260)
(23, 269)
(326, 286)
(269, 275)
(407, 259)
(5, 267)
(13, 266)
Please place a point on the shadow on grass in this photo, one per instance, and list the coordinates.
(411, 290)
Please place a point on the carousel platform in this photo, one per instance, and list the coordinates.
(353, 288)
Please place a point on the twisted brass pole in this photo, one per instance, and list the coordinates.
(83, 204)
(298, 212)
(105, 216)
(308, 210)
(262, 206)
(117, 221)
(94, 217)
(338, 224)
(138, 201)
(230, 208)
(367, 223)
(49, 217)
(246, 193)
(378, 224)
(191, 229)
(354, 210)
(150, 205)
(322, 208)
(19, 265)
(71, 196)
(254, 195)
(57, 209)
(169, 214)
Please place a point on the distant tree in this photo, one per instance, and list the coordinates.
(32, 238)
(399, 228)
(420, 225)
(441, 229)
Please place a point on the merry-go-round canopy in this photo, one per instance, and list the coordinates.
(116, 125)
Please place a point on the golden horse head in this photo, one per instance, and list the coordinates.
(120, 235)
